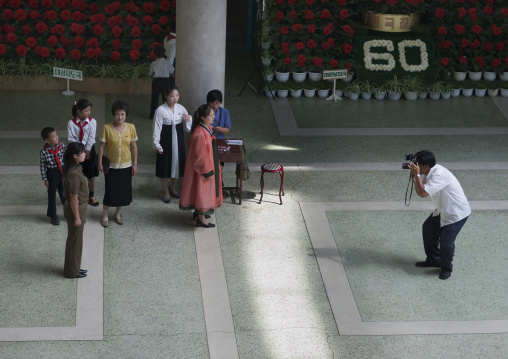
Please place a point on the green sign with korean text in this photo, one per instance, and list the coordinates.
(334, 74)
(68, 74)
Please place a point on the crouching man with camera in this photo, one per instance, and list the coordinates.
(452, 210)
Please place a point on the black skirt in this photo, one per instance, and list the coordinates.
(163, 161)
(90, 166)
(118, 187)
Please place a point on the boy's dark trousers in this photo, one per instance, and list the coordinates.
(159, 86)
(55, 184)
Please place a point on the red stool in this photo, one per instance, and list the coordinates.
(272, 168)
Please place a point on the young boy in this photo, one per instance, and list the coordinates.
(160, 70)
(51, 170)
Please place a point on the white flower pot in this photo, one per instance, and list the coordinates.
(309, 93)
(339, 93)
(349, 77)
(475, 76)
(467, 92)
(504, 92)
(282, 76)
(296, 93)
(456, 93)
(299, 76)
(493, 92)
(394, 95)
(270, 94)
(353, 96)
(459, 75)
(480, 92)
(269, 77)
(266, 45)
(435, 95)
(380, 95)
(282, 93)
(266, 61)
(489, 75)
(410, 95)
(503, 76)
(446, 95)
(423, 95)
(323, 93)
(315, 76)
(366, 95)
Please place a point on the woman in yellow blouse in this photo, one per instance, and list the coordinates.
(119, 138)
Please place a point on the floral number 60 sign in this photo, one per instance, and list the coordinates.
(390, 65)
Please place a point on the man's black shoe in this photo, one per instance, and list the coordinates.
(426, 264)
(445, 275)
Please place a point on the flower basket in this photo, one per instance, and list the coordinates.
(435, 95)
(315, 76)
(503, 76)
(446, 95)
(282, 76)
(493, 92)
(475, 75)
(309, 93)
(423, 95)
(366, 95)
(296, 93)
(282, 93)
(489, 75)
(323, 93)
(480, 92)
(299, 76)
(410, 95)
(503, 92)
(467, 92)
(459, 75)
(456, 92)
(395, 96)
(270, 94)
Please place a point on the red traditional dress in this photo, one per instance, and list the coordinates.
(197, 193)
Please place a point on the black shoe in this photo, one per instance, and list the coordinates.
(426, 264)
(176, 195)
(80, 275)
(195, 215)
(55, 221)
(83, 271)
(201, 224)
(166, 200)
(445, 274)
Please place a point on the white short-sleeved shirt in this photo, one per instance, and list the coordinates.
(447, 195)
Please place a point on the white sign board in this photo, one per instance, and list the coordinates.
(68, 74)
(334, 74)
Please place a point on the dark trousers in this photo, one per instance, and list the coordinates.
(159, 86)
(74, 244)
(439, 242)
(55, 184)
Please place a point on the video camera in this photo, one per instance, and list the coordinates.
(409, 157)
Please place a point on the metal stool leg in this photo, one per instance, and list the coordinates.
(262, 182)
(281, 175)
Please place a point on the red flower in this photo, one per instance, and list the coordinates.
(479, 61)
(462, 12)
(488, 10)
(309, 15)
(476, 29)
(116, 31)
(495, 63)
(8, 29)
(287, 61)
(79, 41)
(76, 16)
(472, 13)
(296, 27)
(112, 8)
(445, 61)
(309, 2)
(31, 41)
(77, 28)
(75, 54)
(2, 49)
(285, 51)
(134, 54)
(300, 46)
(504, 11)
(285, 45)
(33, 4)
(60, 53)
(98, 29)
(325, 14)
(327, 30)
(8, 14)
(284, 30)
(47, 3)
(62, 4)
(50, 15)
(21, 50)
(57, 29)
(136, 32)
(343, 14)
(311, 28)
(65, 15)
(147, 20)
(391, 2)
(440, 13)
(311, 43)
(90, 53)
(20, 15)
(115, 55)
(499, 46)
(148, 7)
(334, 63)
(52, 41)
(346, 48)
(156, 29)
(37, 50)
(131, 20)
(14, 4)
(317, 61)
(98, 19)
(291, 2)
(495, 29)
(116, 44)
(293, 14)
(65, 41)
(331, 41)
(441, 30)
(26, 30)
(163, 21)
(92, 42)
(348, 66)
(34, 15)
(11, 37)
(115, 21)
(165, 5)
(136, 44)
(325, 46)
(301, 60)
(475, 44)
(78, 5)
(131, 7)
(97, 52)
(459, 29)
(488, 46)
(41, 27)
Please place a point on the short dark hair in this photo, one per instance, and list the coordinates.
(46, 131)
(170, 89)
(214, 95)
(80, 105)
(74, 148)
(158, 51)
(425, 158)
(120, 105)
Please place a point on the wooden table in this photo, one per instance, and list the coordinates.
(236, 153)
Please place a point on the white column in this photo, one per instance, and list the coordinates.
(200, 49)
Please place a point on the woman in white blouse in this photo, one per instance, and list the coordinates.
(169, 122)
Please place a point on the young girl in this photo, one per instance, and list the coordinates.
(169, 122)
(82, 128)
(75, 206)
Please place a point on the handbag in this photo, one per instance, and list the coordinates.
(245, 170)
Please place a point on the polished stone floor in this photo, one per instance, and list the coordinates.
(328, 274)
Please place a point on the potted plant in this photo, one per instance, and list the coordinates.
(456, 85)
(296, 89)
(298, 71)
(269, 91)
(367, 89)
(282, 72)
(394, 87)
(476, 69)
(423, 92)
(379, 92)
(309, 88)
(323, 89)
(480, 88)
(436, 89)
(447, 90)
(353, 89)
(493, 88)
(266, 57)
(269, 73)
(411, 86)
(339, 88)
(461, 67)
(467, 88)
(266, 40)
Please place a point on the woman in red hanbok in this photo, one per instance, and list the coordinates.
(201, 188)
